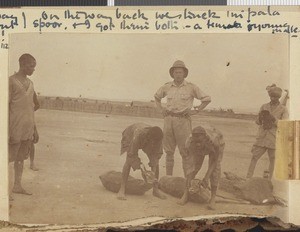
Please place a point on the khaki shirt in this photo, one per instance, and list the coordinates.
(267, 138)
(180, 98)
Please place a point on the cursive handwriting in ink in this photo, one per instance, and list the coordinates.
(166, 15)
(47, 21)
(133, 26)
(169, 25)
(187, 14)
(235, 24)
(136, 15)
(8, 22)
(268, 12)
(275, 28)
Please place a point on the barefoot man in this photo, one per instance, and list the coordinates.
(204, 142)
(269, 115)
(149, 139)
(22, 129)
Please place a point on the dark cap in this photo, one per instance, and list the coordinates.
(199, 130)
(155, 133)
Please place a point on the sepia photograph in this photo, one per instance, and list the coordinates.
(116, 127)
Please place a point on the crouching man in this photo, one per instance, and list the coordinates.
(203, 142)
(149, 139)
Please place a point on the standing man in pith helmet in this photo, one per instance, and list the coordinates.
(177, 121)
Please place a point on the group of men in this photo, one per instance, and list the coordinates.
(193, 143)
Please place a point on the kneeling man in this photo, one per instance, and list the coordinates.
(203, 142)
(149, 139)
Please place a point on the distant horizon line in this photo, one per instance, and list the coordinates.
(236, 110)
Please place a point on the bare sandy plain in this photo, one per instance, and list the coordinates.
(75, 148)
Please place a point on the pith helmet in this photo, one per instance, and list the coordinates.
(178, 64)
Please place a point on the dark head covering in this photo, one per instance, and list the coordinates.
(199, 130)
(155, 133)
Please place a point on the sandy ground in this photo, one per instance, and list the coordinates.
(75, 148)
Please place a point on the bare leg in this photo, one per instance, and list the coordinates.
(214, 181)
(125, 175)
(257, 153)
(189, 177)
(185, 197)
(212, 201)
(18, 165)
(271, 153)
(156, 192)
(252, 167)
(32, 166)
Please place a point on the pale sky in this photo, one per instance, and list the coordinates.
(133, 66)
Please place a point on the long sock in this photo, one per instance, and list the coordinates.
(169, 164)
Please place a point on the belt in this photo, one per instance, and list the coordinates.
(179, 115)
